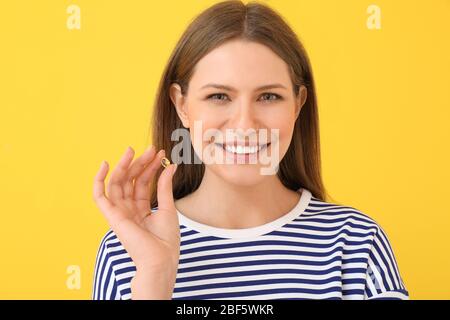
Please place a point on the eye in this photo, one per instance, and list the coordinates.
(269, 95)
(222, 97)
(217, 96)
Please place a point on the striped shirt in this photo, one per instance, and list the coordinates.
(318, 250)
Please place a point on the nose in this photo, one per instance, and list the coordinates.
(243, 116)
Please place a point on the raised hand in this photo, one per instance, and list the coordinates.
(152, 239)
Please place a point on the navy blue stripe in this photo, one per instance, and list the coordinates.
(331, 213)
(335, 228)
(188, 233)
(271, 252)
(379, 264)
(198, 240)
(318, 237)
(269, 262)
(126, 269)
(275, 242)
(123, 281)
(259, 272)
(352, 291)
(125, 291)
(240, 294)
(107, 280)
(97, 266)
(115, 253)
(321, 204)
(388, 249)
(216, 285)
(353, 281)
(313, 218)
(103, 263)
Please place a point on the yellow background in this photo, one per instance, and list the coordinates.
(72, 98)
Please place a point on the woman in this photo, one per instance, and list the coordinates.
(216, 230)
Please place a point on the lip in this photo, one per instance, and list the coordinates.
(242, 144)
(260, 147)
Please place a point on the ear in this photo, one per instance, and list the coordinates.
(179, 101)
(300, 100)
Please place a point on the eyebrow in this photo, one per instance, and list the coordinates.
(229, 88)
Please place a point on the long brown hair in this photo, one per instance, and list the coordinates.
(227, 20)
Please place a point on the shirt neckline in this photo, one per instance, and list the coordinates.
(298, 209)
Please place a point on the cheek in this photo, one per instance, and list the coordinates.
(204, 114)
(285, 125)
(201, 131)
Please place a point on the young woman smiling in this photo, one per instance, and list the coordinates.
(226, 231)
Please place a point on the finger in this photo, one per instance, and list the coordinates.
(165, 221)
(164, 189)
(114, 187)
(99, 189)
(136, 169)
(142, 184)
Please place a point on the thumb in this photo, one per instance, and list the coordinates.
(164, 189)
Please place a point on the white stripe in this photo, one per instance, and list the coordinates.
(126, 296)
(390, 294)
(324, 215)
(274, 247)
(391, 256)
(129, 274)
(328, 233)
(238, 289)
(286, 296)
(302, 241)
(353, 286)
(378, 281)
(97, 268)
(270, 257)
(383, 266)
(257, 277)
(351, 219)
(299, 268)
(359, 275)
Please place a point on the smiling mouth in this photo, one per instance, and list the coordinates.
(242, 150)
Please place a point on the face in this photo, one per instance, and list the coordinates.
(237, 92)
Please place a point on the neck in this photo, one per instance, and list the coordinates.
(223, 205)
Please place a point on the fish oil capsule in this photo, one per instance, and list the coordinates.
(165, 162)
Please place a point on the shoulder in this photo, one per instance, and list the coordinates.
(111, 250)
(340, 217)
(358, 230)
(337, 212)
(109, 240)
(112, 269)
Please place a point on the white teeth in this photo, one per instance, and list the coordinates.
(242, 149)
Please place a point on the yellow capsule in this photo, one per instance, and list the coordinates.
(165, 162)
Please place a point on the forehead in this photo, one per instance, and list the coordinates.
(242, 64)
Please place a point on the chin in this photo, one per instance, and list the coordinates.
(244, 175)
